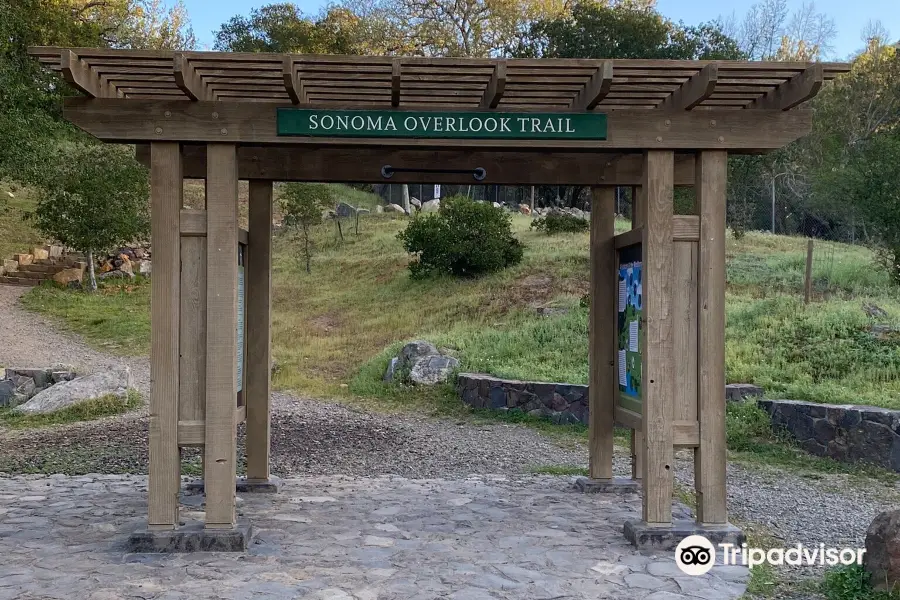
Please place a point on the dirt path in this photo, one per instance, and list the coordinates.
(29, 340)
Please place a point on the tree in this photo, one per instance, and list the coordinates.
(148, 24)
(303, 205)
(769, 31)
(95, 199)
(284, 28)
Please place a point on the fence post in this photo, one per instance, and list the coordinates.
(807, 287)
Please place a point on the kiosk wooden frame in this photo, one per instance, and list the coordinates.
(213, 116)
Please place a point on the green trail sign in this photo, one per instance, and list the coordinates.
(440, 124)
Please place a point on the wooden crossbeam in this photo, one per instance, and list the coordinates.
(596, 89)
(496, 86)
(694, 91)
(188, 80)
(82, 77)
(292, 82)
(797, 90)
(395, 83)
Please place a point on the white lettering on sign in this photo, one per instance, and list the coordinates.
(523, 125)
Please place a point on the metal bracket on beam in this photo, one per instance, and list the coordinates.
(478, 173)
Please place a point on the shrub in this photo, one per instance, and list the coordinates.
(464, 238)
(556, 222)
(852, 582)
(303, 205)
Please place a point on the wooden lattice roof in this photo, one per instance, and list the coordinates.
(439, 83)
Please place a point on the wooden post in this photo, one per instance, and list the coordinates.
(259, 320)
(603, 388)
(636, 201)
(221, 334)
(709, 458)
(638, 208)
(807, 284)
(658, 361)
(165, 226)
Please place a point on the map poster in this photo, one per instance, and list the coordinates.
(629, 310)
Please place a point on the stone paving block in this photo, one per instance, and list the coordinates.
(192, 537)
(646, 537)
(616, 485)
(242, 485)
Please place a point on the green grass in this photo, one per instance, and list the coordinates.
(88, 410)
(16, 234)
(853, 582)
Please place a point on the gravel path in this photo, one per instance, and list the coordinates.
(312, 437)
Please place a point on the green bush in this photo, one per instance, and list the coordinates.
(556, 222)
(852, 582)
(464, 238)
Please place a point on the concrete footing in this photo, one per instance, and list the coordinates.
(653, 537)
(242, 485)
(616, 485)
(192, 537)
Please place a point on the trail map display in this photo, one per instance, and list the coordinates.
(630, 308)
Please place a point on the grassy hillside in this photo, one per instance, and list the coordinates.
(16, 235)
(335, 329)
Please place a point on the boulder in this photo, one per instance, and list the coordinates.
(41, 377)
(394, 208)
(415, 202)
(114, 381)
(497, 205)
(114, 275)
(40, 253)
(126, 267)
(379, 209)
(432, 369)
(67, 276)
(413, 351)
(145, 267)
(344, 210)
(431, 205)
(140, 253)
(23, 259)
(55, 251)
(525, 209)
(24, 386)
(7, 392)
(738, 392)
(882, 557)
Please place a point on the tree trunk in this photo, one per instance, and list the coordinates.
(405, 198)
(306, 245)
(92, 279)
(532, 198)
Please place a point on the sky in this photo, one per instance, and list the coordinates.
(851, 17)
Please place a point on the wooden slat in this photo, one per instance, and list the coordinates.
(627, 418)
(712, 173)
(221, 334)
(292, 82)
(140, 120)
(596, 88)
(629, 238)
(395, 83)
(684, 310)
(259, 320)
(657, 370)
(194, 223)
(188, 80)
(697, 89)
(165, 202)
(496, 86)
(81, 77)
(603, 388)
(685, 434)
(798, 90)
(192, 371)
(686, 228)
(191, 433)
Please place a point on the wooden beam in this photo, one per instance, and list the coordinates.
(712, 173)
(694, 91)
(496, 86)
(658, 361)
(129, 121)
(165, 204)
(596, 89)
(395, 83)
(633, 236)
(192, 371)
(797, 90)
(686, 228)
(259, 325)
(188, 80)
(194, 223)
(603, 388)
(221, 335)
(191, 433)
(82, 77)
(292, 83)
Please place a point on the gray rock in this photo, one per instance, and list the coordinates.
(115, 381)
(882, 557)
(7, 392)
(738, 392)
(415, 202)
(24, 385)
(394, 208)
(380, 209)
(415, 350)
(391, 369)
(42, 377)
(433, 369)
(115, 275)
(345, 210)
(431, 205)
(58, 375)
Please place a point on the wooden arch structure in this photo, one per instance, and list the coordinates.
(652, 125)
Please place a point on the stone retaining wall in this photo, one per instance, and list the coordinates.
(843, 432)
(561, 402)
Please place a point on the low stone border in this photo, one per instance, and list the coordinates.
(561, 402)
(846, 433)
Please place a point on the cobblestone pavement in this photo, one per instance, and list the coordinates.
(341, 538)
